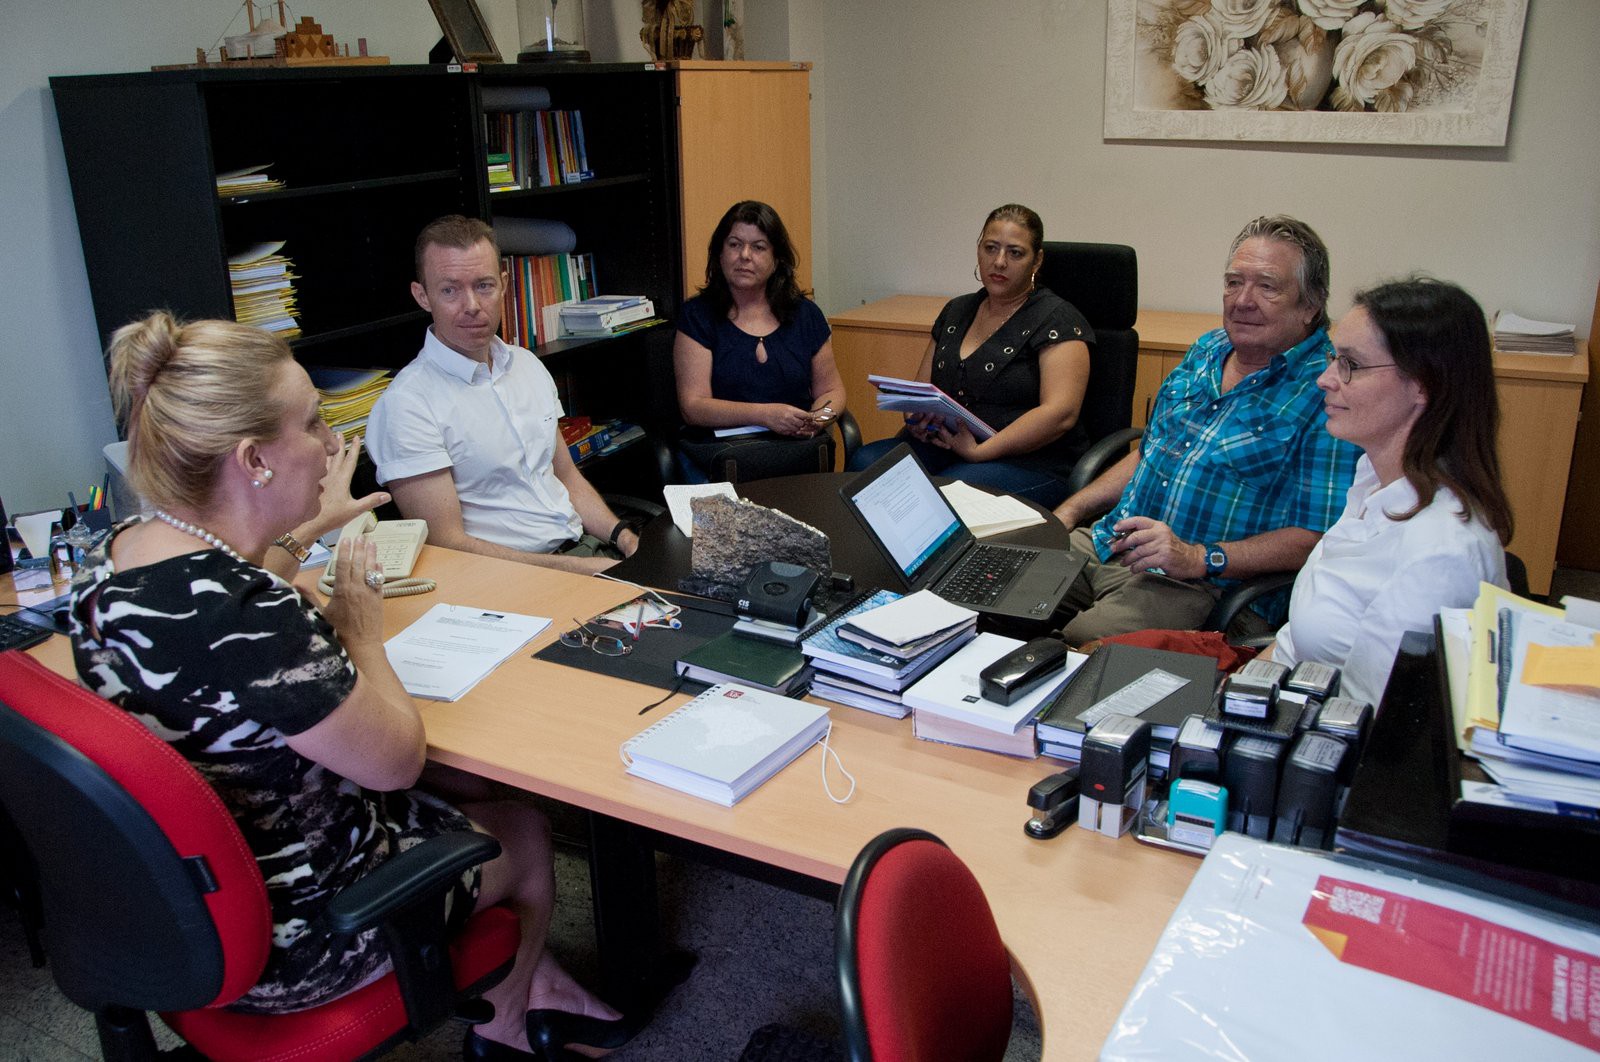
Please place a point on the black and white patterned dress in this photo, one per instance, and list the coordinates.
(222, 660)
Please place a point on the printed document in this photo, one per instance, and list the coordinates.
(451, 648)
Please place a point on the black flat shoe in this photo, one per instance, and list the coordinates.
(477, 1049)
(549, 1031)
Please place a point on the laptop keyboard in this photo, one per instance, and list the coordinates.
(15, 634)
(984, 574)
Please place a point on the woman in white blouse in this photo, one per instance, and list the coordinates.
(1412, 384)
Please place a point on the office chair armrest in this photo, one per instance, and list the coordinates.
(1236, 599)
(849, 435)
(666, 459)
(1099, 457)
(419, 873)
(632, 503)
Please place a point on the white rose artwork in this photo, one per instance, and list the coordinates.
(1357, 71)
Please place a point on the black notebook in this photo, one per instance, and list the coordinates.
(1114, 667)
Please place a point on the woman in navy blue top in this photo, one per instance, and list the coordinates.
(752, 350)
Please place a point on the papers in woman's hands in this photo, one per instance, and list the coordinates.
(679, 495)
(988, 514)
(912, 396)
(451, 648)
(748, 429)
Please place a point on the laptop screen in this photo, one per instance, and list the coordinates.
(907, 513)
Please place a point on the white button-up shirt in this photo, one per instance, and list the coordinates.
(1372, 578)
(494, 426)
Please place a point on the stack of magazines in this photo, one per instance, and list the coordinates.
(1514, 334)
(870, 677)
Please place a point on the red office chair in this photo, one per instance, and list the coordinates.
(923, 972)
(153, 902)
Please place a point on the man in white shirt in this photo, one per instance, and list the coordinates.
(466, 435)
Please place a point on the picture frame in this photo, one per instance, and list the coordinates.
(465, 31)
(1416, 72)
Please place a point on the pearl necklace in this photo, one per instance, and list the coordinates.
(199, 532)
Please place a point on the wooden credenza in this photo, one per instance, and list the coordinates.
(1539, 400)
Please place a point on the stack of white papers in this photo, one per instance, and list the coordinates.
(451, 648)
(951, 690)
(1515, 334)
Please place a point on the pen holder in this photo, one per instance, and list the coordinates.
(96, 520)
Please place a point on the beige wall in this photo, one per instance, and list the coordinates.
(938, 112)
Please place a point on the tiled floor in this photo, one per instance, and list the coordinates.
(765, 955)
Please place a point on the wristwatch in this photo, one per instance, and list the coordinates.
(616, 532)
(1216, 559)
(292, 544)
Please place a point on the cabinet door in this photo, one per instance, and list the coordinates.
(744, 132)
(1152, 369)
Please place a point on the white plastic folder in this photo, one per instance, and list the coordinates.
(1283, 953)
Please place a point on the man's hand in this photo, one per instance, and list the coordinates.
(1143, 543)
(627, 542)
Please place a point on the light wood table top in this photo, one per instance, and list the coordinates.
(1077, 902)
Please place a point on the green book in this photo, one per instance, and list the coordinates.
(731, 657)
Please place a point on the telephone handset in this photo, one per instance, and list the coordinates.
(398, 542)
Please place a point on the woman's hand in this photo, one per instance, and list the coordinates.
(356, 609)
(338, 507)
(959, 442)
(789, 420)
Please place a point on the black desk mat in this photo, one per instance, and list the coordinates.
(655, 655)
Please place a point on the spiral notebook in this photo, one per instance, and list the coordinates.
(725, 742)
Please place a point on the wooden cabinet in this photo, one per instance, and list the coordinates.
(744, 131)
(1539, 399)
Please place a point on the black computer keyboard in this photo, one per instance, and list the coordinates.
(984, 574)
(16, 634)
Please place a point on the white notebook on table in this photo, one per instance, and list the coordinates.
(725, 742)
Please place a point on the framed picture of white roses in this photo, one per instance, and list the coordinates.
(1331, 71)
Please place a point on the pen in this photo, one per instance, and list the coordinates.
(105, 485)
(73, 498)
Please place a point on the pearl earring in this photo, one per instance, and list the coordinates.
(266, 477)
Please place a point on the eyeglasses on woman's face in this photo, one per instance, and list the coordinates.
(1347, 367)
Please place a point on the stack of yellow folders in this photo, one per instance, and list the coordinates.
(263, 289)
(247, 181)
(347, 397)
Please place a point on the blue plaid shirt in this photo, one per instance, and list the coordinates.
(1220, 467)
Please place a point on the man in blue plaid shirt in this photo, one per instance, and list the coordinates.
(1236, 474)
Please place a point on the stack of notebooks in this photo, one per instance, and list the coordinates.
(856, 668)
(501, 175)
(1514, 334)
(732, 657)
(950, 709)
(725, 742)
(606, 315)
(1156, 685)
(347, 397)
(537, 284)
(540, 148)
(263, 289)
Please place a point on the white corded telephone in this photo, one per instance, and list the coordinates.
(398, 542)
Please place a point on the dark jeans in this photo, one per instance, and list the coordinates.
(1034, 484)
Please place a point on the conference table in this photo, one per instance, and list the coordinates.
(1080, 913)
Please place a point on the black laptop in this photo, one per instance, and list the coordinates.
(924, 540)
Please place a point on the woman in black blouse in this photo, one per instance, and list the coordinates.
(1017, 356)
(188, 619)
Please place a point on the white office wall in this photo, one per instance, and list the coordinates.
(939, 111)
(55, 413)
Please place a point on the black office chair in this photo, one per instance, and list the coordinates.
(1102, 281)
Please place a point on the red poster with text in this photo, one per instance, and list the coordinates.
(1504, 970)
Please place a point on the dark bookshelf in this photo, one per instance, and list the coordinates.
(368, 155)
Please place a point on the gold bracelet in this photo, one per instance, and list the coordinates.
(292, 544)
